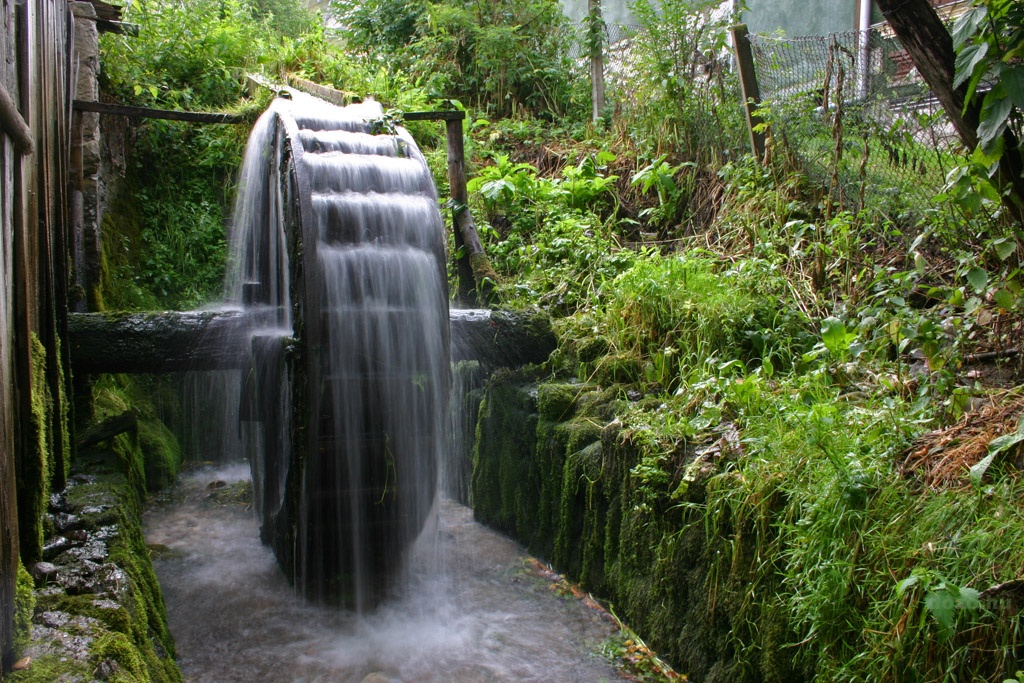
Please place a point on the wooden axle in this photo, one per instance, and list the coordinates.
(176, 341)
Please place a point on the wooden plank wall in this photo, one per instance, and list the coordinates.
(34, 241)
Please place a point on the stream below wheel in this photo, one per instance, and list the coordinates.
(472, 607)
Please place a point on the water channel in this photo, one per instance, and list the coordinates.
(472, 607)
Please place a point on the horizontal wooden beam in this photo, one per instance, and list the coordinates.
(158, 342)
(175, 341)
(165, 114)
(434, 116)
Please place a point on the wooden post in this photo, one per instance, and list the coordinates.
(482, 275)
(749, 88)
(595, 39)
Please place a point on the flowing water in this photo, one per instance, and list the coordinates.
(338, 263)
(473, 611)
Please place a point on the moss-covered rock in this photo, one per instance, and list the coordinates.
(502, 494)
(150, 454)
(99, 612)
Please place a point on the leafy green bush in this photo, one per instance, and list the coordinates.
(676, 91)
(164, 234)
(680, 319)
(191, 54)
(505, 57)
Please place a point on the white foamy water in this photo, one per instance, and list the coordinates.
(472, 611)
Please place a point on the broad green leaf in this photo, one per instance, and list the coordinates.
(940, 603)
(906, 583)
(967, 60)
(978, 469)
(920, 263)
(966, 25)
(970, 598)
(995, 110)
(1005, 299)
(1004, 248)
(833, 334)
(1013, 84)
(978, 279)
(1002, 443)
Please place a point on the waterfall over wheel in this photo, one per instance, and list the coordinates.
(338, 259)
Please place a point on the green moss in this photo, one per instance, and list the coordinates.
(121, 230)
(50, 668)
(151, 454)
(64, 413)
(36, 466)
(501, 488)
(117, 658)
(24, 604)
(556, 401)
(161, 454)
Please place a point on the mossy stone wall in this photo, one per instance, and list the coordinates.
(555, 469)
(98, 612)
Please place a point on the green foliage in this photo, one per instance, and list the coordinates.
(166, 233)
(684, 97)
(289, 18)
(164, 236)
(24, 604)
(942, 599)
(504, 57)
(666, 320)
(192, 54)
(553, 243)
(988, 38)
(370, 26)
(673, 191)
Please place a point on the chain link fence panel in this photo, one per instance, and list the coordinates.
(853, 112)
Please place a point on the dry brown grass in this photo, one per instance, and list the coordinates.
(943, 457)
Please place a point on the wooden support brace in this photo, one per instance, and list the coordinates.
(165, 114)
(14, 125)
(484, 278)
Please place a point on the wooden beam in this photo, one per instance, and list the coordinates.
(484, 277)
(165, 114)
(749, 88)
(175, 341)
(434, 116)
(14, 125)
(107, 429)
(158, 342)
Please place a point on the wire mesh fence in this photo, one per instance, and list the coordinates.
(848, 109)
(852, 111)
(614, 34)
